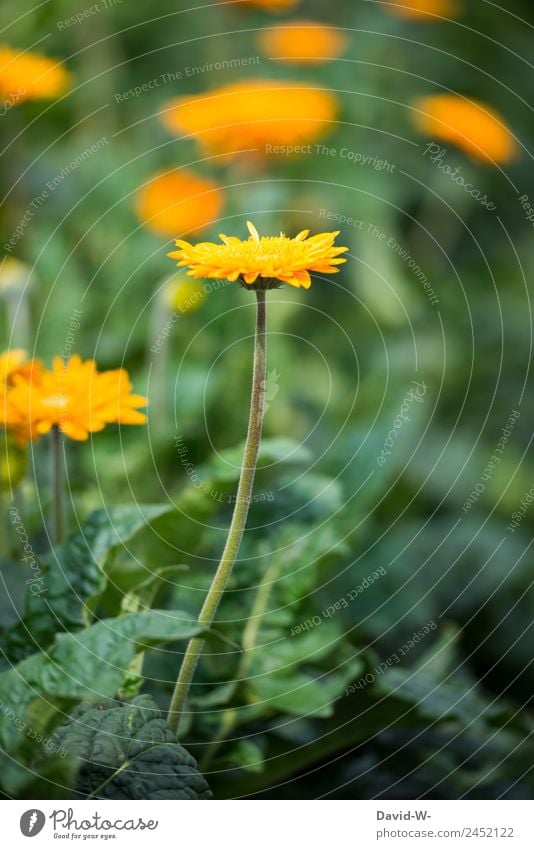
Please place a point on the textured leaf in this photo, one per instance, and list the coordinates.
(128, 752)
(74, 574)
(87, 665)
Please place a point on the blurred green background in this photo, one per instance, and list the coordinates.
(452, 716)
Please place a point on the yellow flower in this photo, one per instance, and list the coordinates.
(255, 113)
(14, 275)
(302, 42)
(178, 201)
(73, 396)
(30, 76)
(469, 124)
(272, 259)
(423, 9)
(184, 296)
(12, 362)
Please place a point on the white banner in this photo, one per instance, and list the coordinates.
(245, 824)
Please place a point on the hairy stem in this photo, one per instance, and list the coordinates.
(239, 518)
(56, 474)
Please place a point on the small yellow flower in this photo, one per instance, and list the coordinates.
(30, 76)
(258, 113)
(178, 201)
(468, 124)
(184, 296)
(302, 42)
(423, 9)
(262, 262)
(73, 396)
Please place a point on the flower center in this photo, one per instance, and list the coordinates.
(55, 401)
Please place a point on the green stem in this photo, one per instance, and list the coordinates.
(56, 474)
(230, 716)
(239, 518)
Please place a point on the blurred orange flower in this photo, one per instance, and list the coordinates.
(428, 9)
(262, 262)
(302, 42)
(73, 396)
(30, 76)
(175, 202)
(272, 5)
(13, 362)
(469, 124)
(258, 113)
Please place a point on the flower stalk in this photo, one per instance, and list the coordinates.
(239, 518)
(56, 474)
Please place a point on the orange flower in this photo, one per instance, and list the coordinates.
(73, 396)
(302, 42)
(254, 113)
(260, 262)
(177, 201)
(12, 362)
(469, 124)
(424, 9)
(30, 76)
(273, 5)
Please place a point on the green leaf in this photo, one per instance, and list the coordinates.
(128, 752)
(302, 694)
(307, 647)
(245, 755)
(92, 662)
(142, 595)
(73, 575)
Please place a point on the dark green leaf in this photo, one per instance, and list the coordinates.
(74, 574)
(128, 752)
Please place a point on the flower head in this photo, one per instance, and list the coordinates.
(262, 262)
(423, 9)
(254, 113)
(302, 42)
(73, 396)
(178, 201)
(469, 124)
(31, 76)
(14, 275)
